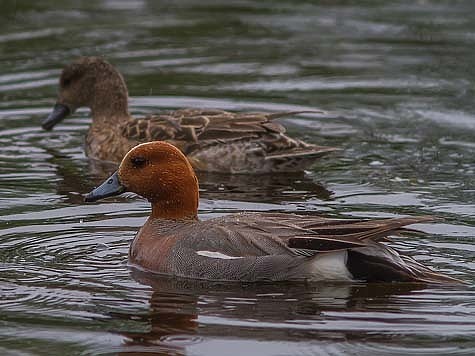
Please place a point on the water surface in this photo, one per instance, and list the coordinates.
(396, 79)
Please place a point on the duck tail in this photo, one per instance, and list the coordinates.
(277, 115)
(377, 263)
(425, 274)
(298, 159)
(306, 153)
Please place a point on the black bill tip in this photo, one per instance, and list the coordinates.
(59, 112)
(109, 188)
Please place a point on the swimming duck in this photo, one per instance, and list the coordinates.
(213, 140)
(249, 247)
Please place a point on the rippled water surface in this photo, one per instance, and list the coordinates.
(397, 81)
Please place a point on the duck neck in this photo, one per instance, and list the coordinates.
(178, 206)
(110, 99)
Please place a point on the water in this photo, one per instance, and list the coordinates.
(397, 81)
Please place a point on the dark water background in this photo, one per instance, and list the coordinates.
(397, 78)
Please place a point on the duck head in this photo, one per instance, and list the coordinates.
(159, 172)
(89, 82)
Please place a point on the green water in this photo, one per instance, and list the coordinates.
(397, 79)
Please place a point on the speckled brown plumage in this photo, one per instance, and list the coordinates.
(221, 141)
(213, 140)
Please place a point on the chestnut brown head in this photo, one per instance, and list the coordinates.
(159, 172)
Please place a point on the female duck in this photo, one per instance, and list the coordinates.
(213, 140)
(249, 247)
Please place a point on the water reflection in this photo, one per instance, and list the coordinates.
(76, 177)
(183, 313)
(262, 188)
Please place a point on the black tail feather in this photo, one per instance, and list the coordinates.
(371, 268)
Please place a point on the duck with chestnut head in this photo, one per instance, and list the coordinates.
(250, 247)
(213, 140)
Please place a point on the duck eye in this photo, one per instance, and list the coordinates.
(66, 82)
(138, 161)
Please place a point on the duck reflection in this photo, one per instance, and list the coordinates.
(76, 176)
(172, 322)
(268, 188)
(79, 176)
(186, 312)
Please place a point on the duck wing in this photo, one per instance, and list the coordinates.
(315, 233)
(367, 257)
(196, 125)
(193, 129)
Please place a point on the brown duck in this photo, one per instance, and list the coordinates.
(250, 247)
(213, 140)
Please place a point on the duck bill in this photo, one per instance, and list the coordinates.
(109, 188)
(59, 112)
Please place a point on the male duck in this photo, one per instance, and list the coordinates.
(250, 247)
(213, 140)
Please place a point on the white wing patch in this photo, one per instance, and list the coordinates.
(215, 254)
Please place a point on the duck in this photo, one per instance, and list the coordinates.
(250, 247)
(213, 140)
